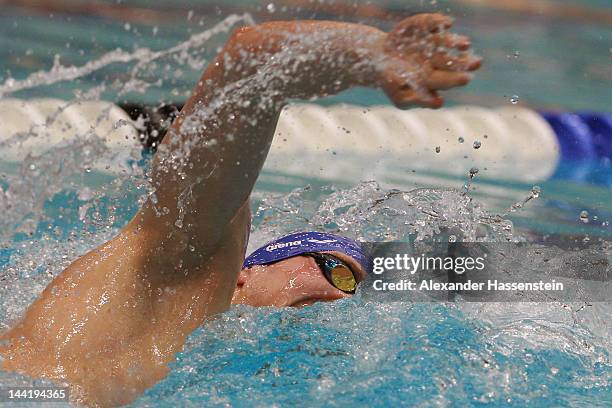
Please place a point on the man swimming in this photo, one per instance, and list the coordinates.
(112, 321)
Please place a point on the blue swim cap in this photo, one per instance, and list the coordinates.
(301, 242)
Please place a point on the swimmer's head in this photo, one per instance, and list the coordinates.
(301, 269)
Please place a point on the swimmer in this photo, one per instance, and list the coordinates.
(115, 318)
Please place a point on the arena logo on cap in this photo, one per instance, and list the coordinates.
(279, 245)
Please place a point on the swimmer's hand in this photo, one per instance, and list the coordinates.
(420, 57)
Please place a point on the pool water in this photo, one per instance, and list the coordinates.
(354, 351)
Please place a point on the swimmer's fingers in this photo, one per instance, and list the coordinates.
(405, 95)
(446, 62)
(452, 41)
(424, 98)
(447, 79)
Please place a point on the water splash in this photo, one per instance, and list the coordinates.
(534, 193)
(427, 353)
(368, 212)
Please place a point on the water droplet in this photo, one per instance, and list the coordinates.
(461, 139)
(85, 194)
(127, 26)
(437, 149)
(271, 8)
(473, 172)
(535, 191)
(452, 238)
(584, 216)
(514, 99)
(477, 144)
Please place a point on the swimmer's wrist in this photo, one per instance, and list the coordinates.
(369, 53)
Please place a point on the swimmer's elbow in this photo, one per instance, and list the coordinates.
(242, 30)
(240, 35)
(258, 37)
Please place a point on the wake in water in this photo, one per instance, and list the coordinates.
(186, 52)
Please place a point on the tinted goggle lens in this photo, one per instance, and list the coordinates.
(342, 278)
(338, 273)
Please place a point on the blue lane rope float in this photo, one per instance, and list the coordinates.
(585, 141)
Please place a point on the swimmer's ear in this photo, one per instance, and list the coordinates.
(243, 276)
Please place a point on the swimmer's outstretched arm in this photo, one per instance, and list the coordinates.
(113, 320)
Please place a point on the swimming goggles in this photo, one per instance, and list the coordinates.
(336, 271)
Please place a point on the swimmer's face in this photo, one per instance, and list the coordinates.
(295, 281)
